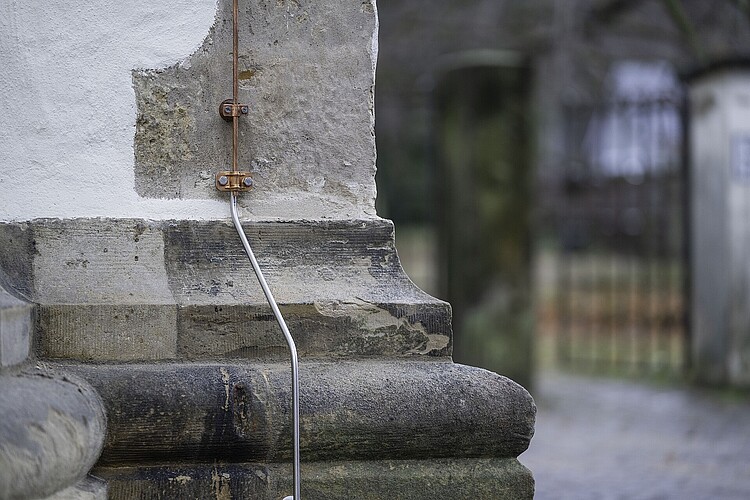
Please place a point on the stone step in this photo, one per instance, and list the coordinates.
(139, 290)
(482, 478)
(147, 332)
(350, 410)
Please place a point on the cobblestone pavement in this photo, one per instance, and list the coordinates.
(606, 439)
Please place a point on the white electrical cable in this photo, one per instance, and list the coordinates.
(289, 341)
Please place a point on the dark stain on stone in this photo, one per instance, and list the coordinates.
(77, 263)
(247, 74)
(139, 229)
(243, 423)
(18, 247)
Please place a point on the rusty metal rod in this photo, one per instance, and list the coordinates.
(235, 85)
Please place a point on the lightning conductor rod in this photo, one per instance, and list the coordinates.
(235, 84)
(234, 182)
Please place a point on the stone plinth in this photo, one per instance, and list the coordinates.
(134, 290)
(182, 349)
(498, 479)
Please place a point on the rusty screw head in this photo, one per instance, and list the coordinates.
(223, 180)
(247, 181)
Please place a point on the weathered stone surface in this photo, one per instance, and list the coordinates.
(15, 329)
(307, 73)
(496, 479)
(107, 331)
(350, 410)
(125, 290)
(336, 328)
(52, 430)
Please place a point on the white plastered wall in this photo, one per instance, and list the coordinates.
(68, 111)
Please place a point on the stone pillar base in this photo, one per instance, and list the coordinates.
(371, 428)
(166, 322)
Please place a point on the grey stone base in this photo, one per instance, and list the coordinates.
(349, 410)
(125, 290)
(437, 479)
(194, 377)
(52, 429)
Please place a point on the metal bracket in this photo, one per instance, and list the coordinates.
(228, 109)
(232, 181)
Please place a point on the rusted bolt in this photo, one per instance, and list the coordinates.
(247, 181)
(223, 181)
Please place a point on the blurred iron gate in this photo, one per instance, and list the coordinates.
(621, 226)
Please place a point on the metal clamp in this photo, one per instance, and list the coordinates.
(232, 181)
(228, 109)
